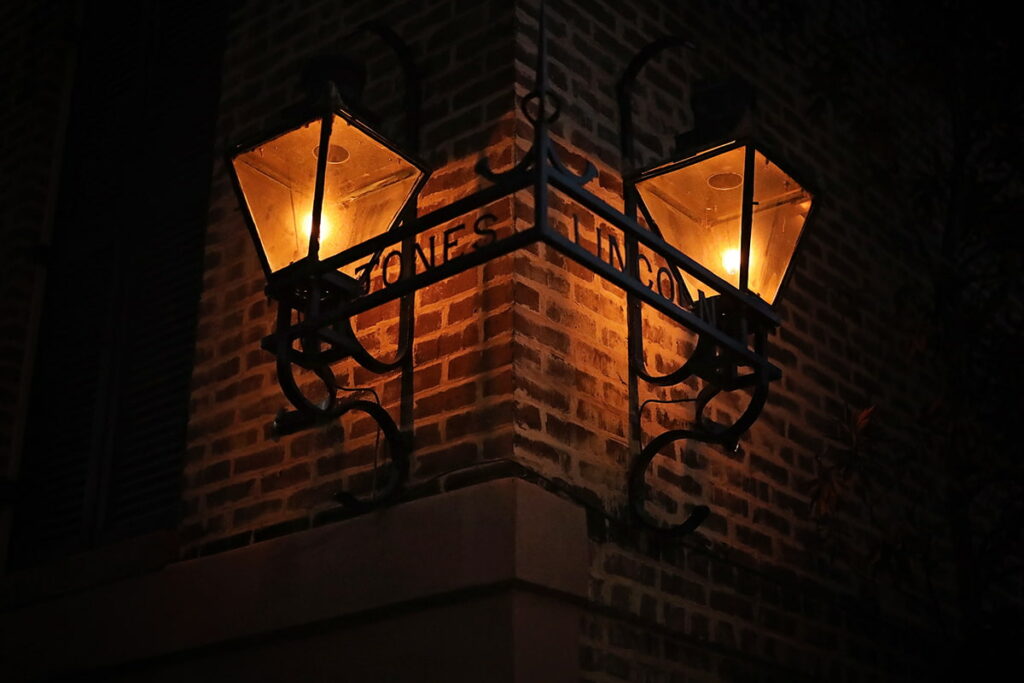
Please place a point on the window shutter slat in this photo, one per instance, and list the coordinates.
(105, 431)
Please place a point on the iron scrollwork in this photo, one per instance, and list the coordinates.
(326, 290)
(719, 373)
(709, 361)
(731, 328)
(307, 413)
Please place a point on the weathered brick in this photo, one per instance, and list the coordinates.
(284, 478)
(677, 585)
(449, 399)
(626, 567)
(229, 494)
(246, 515)
(731, 604)
(775, 472)
(259, 460)
(213, 473)
(754, 539)
(479, 361)
(481, 419)
(448, 458)
(543, 341)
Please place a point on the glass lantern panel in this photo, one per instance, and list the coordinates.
(697, 209)
(780, 209)
(366, 187)
(277, 179)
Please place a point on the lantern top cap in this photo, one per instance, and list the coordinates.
(321, 184)
(721, 146)
(722, 110)
(695, 156)
(329, 106)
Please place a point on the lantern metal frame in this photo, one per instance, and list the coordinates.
(719, 371)
(708, 151)
(331, 105)
(303, 288)
(732, 327)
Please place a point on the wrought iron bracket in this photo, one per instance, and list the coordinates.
(313, 289)
(316, 305)
(711, 361)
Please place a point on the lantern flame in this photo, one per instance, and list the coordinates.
(307, 227)
(731, 261)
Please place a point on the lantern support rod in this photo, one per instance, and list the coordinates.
(634, 312)
(624, 90)
(747, 217)
(410, 74)
(318, 188)
(305, 286)
(412, 103)
(506, 187)
(713, 358)
(407, 305)
(509, 185)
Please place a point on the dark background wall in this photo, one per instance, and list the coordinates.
(38, 59)
(117, 281)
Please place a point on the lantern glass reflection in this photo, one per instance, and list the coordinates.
(697, 206)
(278, 179)
(780, 209)
(697, 209)
(366, 185)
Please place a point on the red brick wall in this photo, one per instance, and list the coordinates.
(524, 358)
(759, 593)
(242, 485)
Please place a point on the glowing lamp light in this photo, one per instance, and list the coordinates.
(307, 228)
(364, 181)
(733, 211)
(731, 261)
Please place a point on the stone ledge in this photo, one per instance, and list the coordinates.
(505, 532)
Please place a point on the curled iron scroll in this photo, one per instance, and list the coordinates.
(483, 167)
(705, 430)
(541, 99)
(529, 159)
(308, 414)
(638, 487)
(348, 341)
(588, 174)
(703, 353)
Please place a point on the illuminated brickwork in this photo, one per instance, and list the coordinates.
(241, 484)
(523, 360)
(755, 595)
